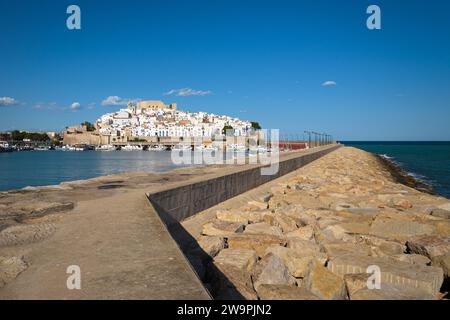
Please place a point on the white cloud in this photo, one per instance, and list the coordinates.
(185, 92)
(329, 83)
(46, 105)
(75, 106)
(114, 101)
(117, 101)
(8, 101)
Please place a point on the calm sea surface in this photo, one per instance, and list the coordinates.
(428, 161)
(39, 168)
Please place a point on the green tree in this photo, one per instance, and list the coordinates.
(33, 136)
(255, 125)
(227, 129)
(89, 126)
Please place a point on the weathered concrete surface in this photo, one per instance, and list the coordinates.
(107, 227)
(124, 252)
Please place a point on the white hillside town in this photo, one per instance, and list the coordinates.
(155, 119)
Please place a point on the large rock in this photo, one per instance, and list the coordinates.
(430, 246)
(441, 213)
(382, 247)
(335, 249)
(263, 228)
(286, 223)
(257, 242)
(442, 262)
(445, 206)
(258, 205)
(231, 216)
(222, 228)
(334, 233)
(241, 259)
(391, 292)
(296, 212)
(271, 270)
(355, 281)
(442, 227)
(355, 228)
(304, 233)
(412, 258)
(304, 247)
(208, 246)
(405, 274)
(296, 261)
(323, 283)
(266, 197)
(400, 229)
(231, 274)
(10, 268)
(284, 292)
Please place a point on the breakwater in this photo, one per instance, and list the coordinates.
(184, 201)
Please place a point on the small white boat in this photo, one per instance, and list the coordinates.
(158, 147)
(131, 148)
(105, 147)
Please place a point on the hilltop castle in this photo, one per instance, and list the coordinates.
(151, 105)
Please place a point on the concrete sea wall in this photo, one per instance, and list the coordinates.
(182, 202)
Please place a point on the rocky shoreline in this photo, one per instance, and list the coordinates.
(320, 232)
(403, 177)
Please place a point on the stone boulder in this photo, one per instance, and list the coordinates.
(324, 283)
(230, 274)
(271, 270)
(208, 246)
(391, 292)
(382, 247)
(412, 258)
(399, 229)
(430, 246)
(297, 261)
(409, 275)
(222, 228)
(442, 262)
(257, 242)
(445, 206)
(441, 213)
(286, 223)
(231, 216)
(303, 233)
(355, 281)
(284, 292)
(336, 249)
(258, 205)
(265, 197)
(263, 228)
(305, 247)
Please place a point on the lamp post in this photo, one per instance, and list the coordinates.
(309, 138)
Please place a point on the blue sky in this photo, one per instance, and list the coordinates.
(257, 60)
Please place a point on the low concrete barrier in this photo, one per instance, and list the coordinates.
(182, 202)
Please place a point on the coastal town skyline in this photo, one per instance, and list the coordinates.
(294, 67)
